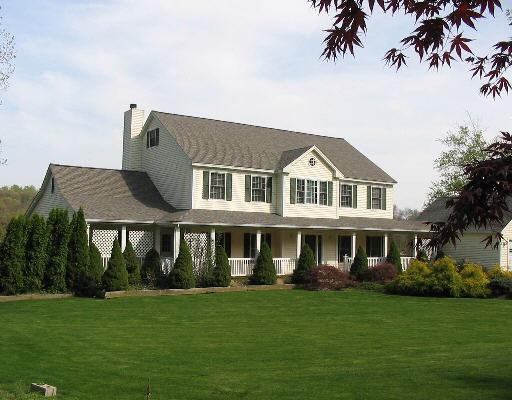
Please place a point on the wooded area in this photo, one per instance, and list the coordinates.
(14, 200)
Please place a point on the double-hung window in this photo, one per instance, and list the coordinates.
(377, 198)
(217, 185)
(153, 138)
(301, 191)
(322, 199)
(346, 195)
(311, 192)
(258, 188)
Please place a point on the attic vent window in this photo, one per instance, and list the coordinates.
(53, 185)
(153, 138)
(312, 161)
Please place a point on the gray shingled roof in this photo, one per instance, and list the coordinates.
(227, 143)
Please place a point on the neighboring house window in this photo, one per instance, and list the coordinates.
(346, 196)
(301, 191)
(53, 185)
(322, 200)
(258, 188)
(217, 185)
(153, 138)
(376, 198)
(375, 246)
(311, 192)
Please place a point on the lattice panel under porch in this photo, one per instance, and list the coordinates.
(104, 239)
(198, 244)
(142, 242)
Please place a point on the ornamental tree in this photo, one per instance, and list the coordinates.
(36, 254)
(305, 263)
(91, 281)
(360, 265)
(12, 257)
(115, 276)
(132, 264)
(394, 257)
(182, 275)
(264, 271)
(151, 271)
(78, 252)
(222, 269)
(58, 234)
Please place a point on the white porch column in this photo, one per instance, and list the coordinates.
(176, 241)
(258, 242)
(415, 242)
(299, 243)
(157, 241)
(123, 237)
(89, 234)
(385, 245)
(354, 239)
(212, 239)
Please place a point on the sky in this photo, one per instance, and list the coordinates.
(81, 63)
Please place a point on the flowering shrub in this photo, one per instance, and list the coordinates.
(327, 277)
(383, 273)
(412, 281)
(474, 281)
(444, 280)
(498, 272)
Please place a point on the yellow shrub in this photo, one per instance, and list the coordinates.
(498, 272)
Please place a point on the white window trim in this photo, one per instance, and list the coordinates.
(306, 190)
(351, 195)
(265, 177)
(381, 197)
(210, 185)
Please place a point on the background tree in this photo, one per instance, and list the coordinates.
(58, 234)
(222, 269)
(132, 264)
(360, 265)
(78, 253)
(465, 146)
(404, 213)
(12, 257)
(115, 276)
(264, 271)
(182, 275)
(36, 254)
(304, 265)
(394, 257)
(14, 201)
(439, 38)
(151, 270)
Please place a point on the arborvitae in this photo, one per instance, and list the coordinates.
(132, 264)
(116, 276)
(222, 269)
(151, 271)
(394, 257)
(182, 275)
(91, 280)
(264, 272)
(13, 257)
(78, 253)
(204, 277)
(36, 254)
(58, 235)
(360, 264)
(304, 265)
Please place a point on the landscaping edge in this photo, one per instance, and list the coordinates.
(35, 296)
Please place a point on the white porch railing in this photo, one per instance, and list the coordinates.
(284, 266)
(244, 266)
(373, 261)
(167, 263)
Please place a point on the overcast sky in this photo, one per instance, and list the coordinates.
(79, 65)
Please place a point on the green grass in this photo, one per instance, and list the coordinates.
(260, 345)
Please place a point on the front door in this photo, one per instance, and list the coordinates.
(315, 243)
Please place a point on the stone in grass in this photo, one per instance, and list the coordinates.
(46, 390)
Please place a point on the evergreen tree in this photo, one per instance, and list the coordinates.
(116, 276)
(304, 265)
(58, 235)
(91, 280)
(132, 264)
(182, 275)
(394, 257)
(12, 257)
(36, 254)
(222, 269)
(360, 265)
(151, 272)
(205, 277)
(422, 255)
(264, 272)
(78, 253)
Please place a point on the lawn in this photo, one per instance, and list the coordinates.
(261, 345)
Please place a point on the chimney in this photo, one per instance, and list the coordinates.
(132, 141)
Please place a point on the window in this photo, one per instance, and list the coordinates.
(323, 193)
(223, 239)
(377, 198)
(166, 243)
(311, 192)
(258, 188)
(250, 245)
(346, 196)
(375, 246)
(301, 191)
(153, 138)
(312, 162)
(344, 247)
(53, 185)
(217, 185)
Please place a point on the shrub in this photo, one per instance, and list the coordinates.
(36, 254)
(13, 257)
(222, 269)
(304, 265)
(445, 280)
(360, 264)
(132, 264)
(58, 233)
(182, 275)
(78, 253)
(116, 276)
(264, 271)
(498, 272)
(394, 257)
(474, 281)
(501, 286)
(327, 277)
(204, 275)
(91, 280)
(382, 273)
(413, 281)
(422, 255)
(151, 271)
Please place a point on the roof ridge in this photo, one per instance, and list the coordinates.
(252, 125)
(98, 168)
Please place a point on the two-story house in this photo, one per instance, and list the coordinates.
(237, 184)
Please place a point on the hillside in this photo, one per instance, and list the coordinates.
(14, 200)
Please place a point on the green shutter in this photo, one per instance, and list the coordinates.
(206, 184)
(229, 186)
(383, 198)
(248, 188)
(329, 193)
(293, 190)
(369, 197)
(269, 190)
(354, 196)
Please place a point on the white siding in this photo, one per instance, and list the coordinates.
(237, 202)
(505, 247)
(168, 167)
(49, 200)
(472, 249)
(362, 210)
(133, 121)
